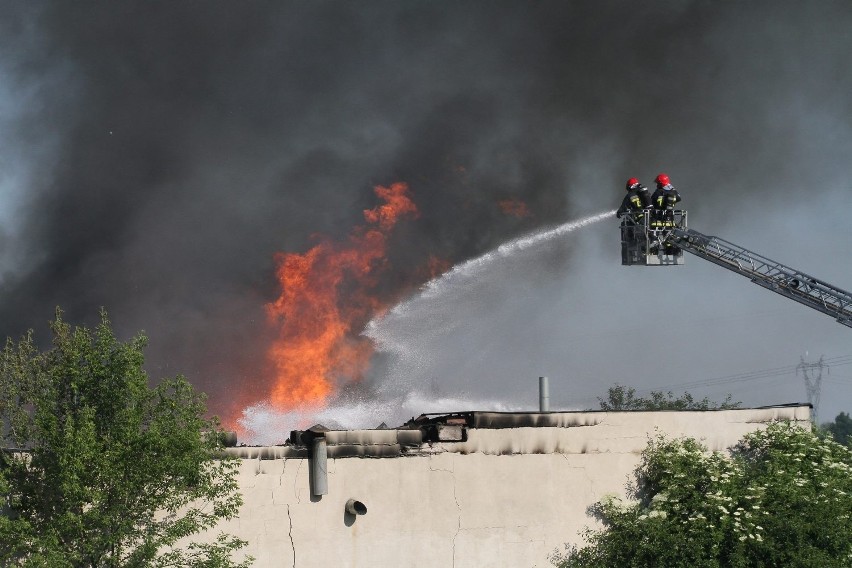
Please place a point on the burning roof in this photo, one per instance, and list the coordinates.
(327, 296)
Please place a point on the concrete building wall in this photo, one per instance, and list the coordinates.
(503, 497)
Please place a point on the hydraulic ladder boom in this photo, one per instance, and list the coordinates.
(773, 275)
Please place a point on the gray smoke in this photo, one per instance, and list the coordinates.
(154, 156)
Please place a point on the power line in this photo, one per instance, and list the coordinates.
(837, 361)
(750, 375)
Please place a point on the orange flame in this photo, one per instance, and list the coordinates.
(327, 296)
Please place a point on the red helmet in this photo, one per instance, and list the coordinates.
(662, 179)
(632, 182)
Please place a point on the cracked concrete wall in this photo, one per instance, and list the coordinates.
(506, 497)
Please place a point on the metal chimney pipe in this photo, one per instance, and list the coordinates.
(319, 469)
(543, 395)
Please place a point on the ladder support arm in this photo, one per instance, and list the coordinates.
(772, 275)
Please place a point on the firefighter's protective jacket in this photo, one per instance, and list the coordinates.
(635, 200)
(665, 197)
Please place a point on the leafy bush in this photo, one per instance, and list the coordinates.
(840, 429)
(783, 497)
(620, 397)
(98, 468)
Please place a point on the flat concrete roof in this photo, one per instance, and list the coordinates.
(457, 431)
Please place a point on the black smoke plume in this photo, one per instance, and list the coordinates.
(156, 154)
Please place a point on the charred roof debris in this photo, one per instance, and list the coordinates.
(442, 432)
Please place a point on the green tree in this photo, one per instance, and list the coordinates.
(840, 429)
(98, 468)
(782, 497)
(620, 397)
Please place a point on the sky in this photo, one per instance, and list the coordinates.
(155, 156)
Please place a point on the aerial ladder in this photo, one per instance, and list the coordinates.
(659, 239)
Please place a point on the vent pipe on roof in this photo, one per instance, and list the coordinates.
(543, 395)
(319, 467)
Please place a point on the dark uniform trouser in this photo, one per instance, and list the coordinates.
(663, 219)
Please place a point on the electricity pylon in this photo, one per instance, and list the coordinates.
(812, 372)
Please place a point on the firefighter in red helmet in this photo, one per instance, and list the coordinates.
(666, 196)
(663, 201)
(633, 207)
(638, 199)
